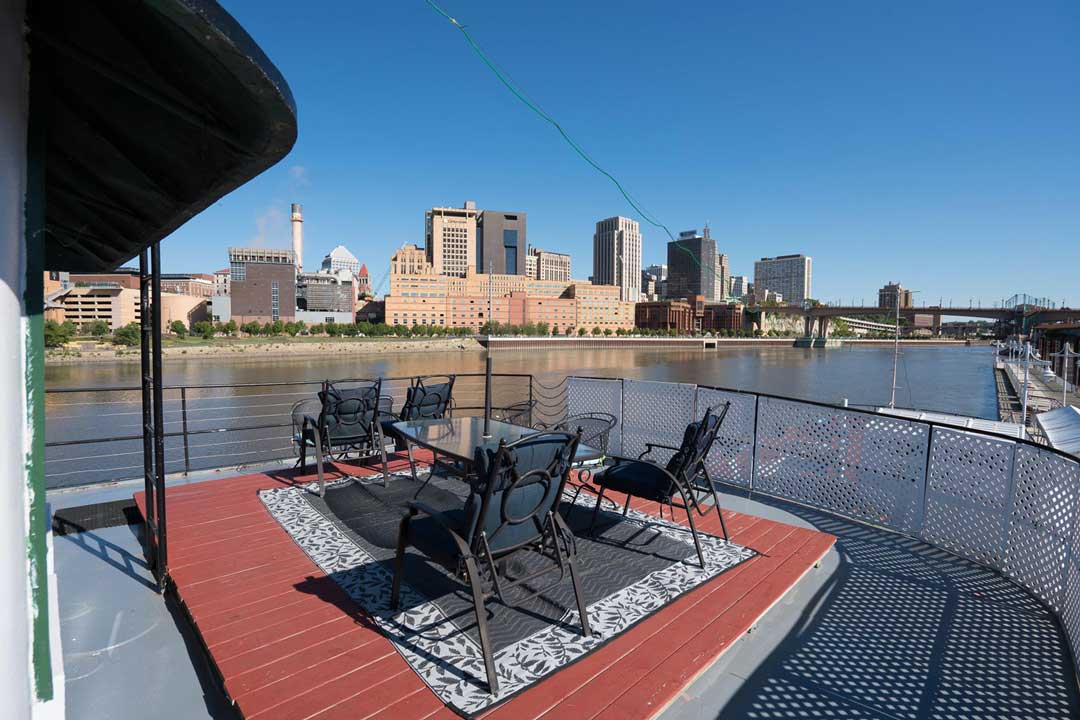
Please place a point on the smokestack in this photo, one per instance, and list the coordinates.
(298, 236)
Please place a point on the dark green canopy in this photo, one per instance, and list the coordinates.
(152, 111)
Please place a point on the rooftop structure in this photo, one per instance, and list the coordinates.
(341, 259)
(363, 282)
(548, 265)
(332, 292)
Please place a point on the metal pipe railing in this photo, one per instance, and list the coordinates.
(192, 413)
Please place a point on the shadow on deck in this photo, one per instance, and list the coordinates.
(892, 628)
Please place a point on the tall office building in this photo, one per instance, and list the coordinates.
(500, 242)
(450, 237)
(660, 271)
(617, 256)
(738, 286)
(692, 262)
(722, 274)
(887, 296)
(788, 275)
(660, 285)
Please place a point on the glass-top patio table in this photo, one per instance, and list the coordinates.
(457, 438)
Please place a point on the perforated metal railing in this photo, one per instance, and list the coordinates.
(1011, 505)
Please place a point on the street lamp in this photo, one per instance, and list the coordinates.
(896, 351)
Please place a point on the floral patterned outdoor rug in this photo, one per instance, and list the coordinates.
(630, 569)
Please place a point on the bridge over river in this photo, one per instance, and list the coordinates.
(816, 319)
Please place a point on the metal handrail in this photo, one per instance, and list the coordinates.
(852, 409)
(183, 415)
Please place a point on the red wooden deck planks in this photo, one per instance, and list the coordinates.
(289, 643)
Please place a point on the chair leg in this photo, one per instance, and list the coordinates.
(582, 611)
(693, 533)
(303, 454)
(716, 500)
(481, 624)
(596, 511)
(626, 507)
(381, 439)
(319, 463)
(559, 534)
(576, 493)
(412, 463)
(399, 563)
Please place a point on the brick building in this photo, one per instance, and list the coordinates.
(262, 285)
(422, 297)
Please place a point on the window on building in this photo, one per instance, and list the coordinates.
(274, 301)
(238, 271)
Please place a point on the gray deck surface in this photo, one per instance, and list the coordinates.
(886, 628)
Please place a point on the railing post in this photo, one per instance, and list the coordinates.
(183, 420)
(487, 396)
(753, 444)
(530, 399)
(919, 533)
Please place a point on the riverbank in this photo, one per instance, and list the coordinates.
(260, 349)
(686, 343)
(255, 349)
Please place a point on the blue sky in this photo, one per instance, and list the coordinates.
(933, 143)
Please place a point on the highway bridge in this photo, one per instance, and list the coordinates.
(1012, 319)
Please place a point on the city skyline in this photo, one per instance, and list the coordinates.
(877, 161)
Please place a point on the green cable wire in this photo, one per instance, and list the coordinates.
(569, 140)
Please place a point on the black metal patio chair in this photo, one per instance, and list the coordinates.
(519, 413)
(511, 508)
(424, 400)
(684, 476)
(303, 432)
(596, 430)
(348, 421)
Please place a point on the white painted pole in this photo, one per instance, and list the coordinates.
(15, 610)
(1065, 378)
(896, 351)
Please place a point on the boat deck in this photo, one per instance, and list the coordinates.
(287, 643)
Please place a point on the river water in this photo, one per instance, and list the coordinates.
(948, 379)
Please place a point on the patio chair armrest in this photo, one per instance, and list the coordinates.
(649, 447)
(611, 459)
